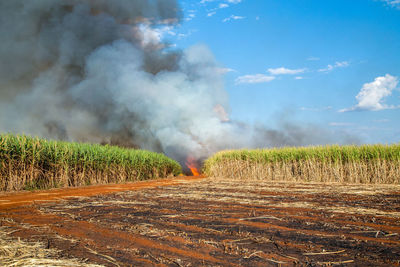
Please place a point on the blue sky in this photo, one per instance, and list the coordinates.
(332, 63)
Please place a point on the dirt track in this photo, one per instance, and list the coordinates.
(209, 222)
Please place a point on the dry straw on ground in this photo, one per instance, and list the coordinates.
(349, 164)
(15, 252)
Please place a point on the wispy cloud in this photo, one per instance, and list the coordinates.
(224, 4)
(232, 17)
(372, 95)
(255, 78)
(338, 64)
(298, 78)
(190, 16)
(225, 1)
(283, 71)
(185, 35)
(392, 3)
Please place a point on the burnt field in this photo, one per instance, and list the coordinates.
(213, 222)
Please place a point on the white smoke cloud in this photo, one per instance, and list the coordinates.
(372, 95)
(153, 36)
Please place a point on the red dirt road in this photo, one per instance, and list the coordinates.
(16, 199)
(193, 221)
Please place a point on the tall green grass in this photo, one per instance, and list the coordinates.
(354, 164)
(33, 163)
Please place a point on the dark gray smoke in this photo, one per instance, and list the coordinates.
(97, 71)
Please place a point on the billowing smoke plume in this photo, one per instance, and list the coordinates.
(96, 71)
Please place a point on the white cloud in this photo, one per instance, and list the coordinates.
(182, 35)
(372, 95)
(255, 78)
(224, 4)
(392, 3)
(233, 17)
(298, 78)
(338, 64)
(342, 64)
(283, 70)
(190, 16)
(185, 35)
(227, 1)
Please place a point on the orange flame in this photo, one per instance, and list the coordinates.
(191, 164)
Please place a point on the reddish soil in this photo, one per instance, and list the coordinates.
(194, 221)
